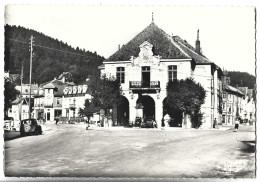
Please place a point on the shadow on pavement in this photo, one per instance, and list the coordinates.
(249, 146)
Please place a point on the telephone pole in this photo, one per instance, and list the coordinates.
(31, 50)
(20, 115)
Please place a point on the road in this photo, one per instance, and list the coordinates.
(71, 151)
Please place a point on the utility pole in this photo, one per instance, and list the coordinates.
(31, 50)
(21, 93)
(237, 114)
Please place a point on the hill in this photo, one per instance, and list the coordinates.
(242, 79)
(51, 57)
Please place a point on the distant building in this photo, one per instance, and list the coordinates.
(20, 109)
(249, 107)
(233, 105)
(25, 92)
(145, 65)
(60, 97)
(48, 100)
(73, 100)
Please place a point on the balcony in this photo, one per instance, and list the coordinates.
(57, 105)
(47, 105)
(38, 105)
(144, 86)
(72, 106)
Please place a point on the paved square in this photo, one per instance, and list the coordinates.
(71, 150)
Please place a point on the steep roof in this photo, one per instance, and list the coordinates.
(190, 50)
(233, 89)
(17, 100)
(169, 47)
(163, 45)
(49, 85)
(244, 90)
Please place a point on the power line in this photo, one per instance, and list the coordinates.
(50, 48)
(84, 56)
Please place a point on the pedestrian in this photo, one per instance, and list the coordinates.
(215, 124)
(57, 120)
(154, 124)
(236, 124)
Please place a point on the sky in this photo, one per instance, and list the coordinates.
(227, 34)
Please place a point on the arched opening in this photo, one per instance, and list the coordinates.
(147, 105)
(175, 114)
(123, 112)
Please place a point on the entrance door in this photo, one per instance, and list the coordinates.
(148, 106)
(146, 76)
(48, 116)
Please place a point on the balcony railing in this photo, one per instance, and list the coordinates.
(144, 84)
(72, 106)
(38, 105)
(57, 105)
(48, 105)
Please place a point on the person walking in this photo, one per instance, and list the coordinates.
(215, 124)
(236, 124)
(57, 120)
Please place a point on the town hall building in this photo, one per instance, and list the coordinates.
(148, 62)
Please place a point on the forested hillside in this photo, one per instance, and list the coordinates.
(51, 57)
(242, 79)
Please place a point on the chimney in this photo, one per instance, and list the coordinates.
(197, 47)
(118, 46)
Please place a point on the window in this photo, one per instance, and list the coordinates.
(172, 73)
(120, 74)
(58, 101)
(224, 106)
(49, 91)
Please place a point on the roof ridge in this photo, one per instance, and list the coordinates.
(195, 51)
(178, 46)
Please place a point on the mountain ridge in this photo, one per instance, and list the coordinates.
(51, 57)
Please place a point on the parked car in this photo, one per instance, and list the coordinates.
(7, 125)
(138, 121)
(148, 123)
(30, 126)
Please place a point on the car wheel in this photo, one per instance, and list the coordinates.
(22, 133)
(39, 130)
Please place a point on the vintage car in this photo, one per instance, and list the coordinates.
(30, 126)
(148, 123)
(7, 125)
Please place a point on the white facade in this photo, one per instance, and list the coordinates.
(159, 76)
(233, 105)
(19, 109)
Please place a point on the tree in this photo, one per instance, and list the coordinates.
(10, 94)
(185, 96)
(90, 107)
(105, 94)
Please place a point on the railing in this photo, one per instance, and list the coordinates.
(48, 105)
(72, 106)
(144, 84)
(38, 105)
(57, 105)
